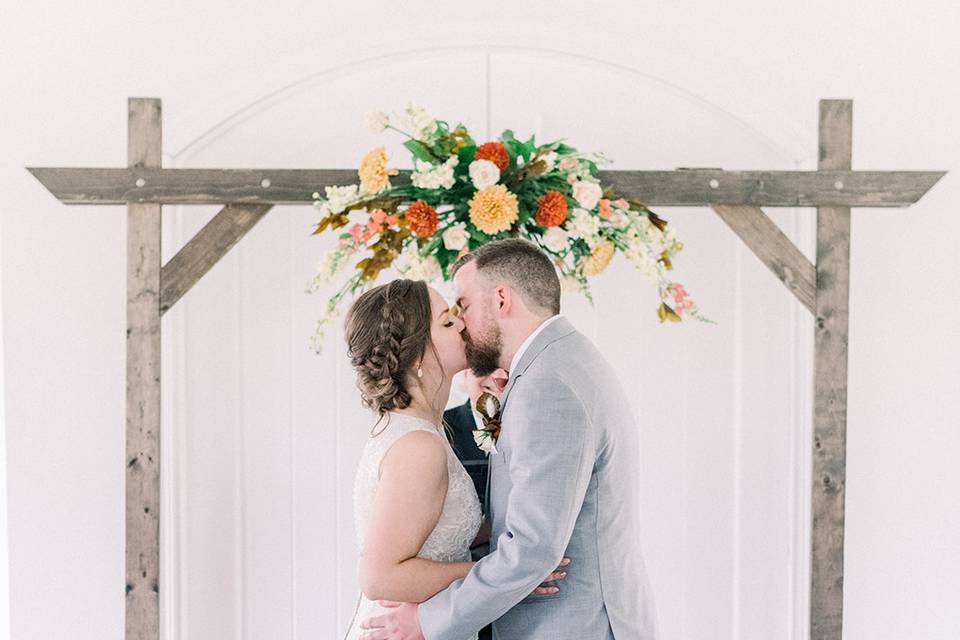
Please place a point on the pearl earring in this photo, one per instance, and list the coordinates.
(419, 371)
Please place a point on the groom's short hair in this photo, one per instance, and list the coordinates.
(523, 265)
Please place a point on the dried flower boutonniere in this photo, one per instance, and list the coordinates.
(488, 406)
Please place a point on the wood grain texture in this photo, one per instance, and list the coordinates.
(205, 249)
(683, 187)
(774, 249)
(142, 549)
(830, 383)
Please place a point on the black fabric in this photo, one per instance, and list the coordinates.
(474, 459)
(462, 425)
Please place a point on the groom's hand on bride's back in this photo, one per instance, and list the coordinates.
(549, 584)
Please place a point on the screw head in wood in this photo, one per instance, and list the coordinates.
(140, 182)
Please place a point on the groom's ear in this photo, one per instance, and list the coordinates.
(504, 299)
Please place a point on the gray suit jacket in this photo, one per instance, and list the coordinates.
(563, 483)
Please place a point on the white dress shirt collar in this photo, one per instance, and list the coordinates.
(526, 343)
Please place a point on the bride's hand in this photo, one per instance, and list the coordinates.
(545, 588)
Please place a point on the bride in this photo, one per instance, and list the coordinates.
(416, 511)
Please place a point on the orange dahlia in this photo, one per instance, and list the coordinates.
(493, 209)
(422, 218)
(551, 209)
(495, 152)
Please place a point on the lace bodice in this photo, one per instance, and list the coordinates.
(460, 517)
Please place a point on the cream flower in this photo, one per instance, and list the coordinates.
(556, 239)
(339, 198)
(413, 266)
(418, 123)
(585, 225)
(377, 121)
(456, 236)
(483, 174)
(431, 176)
(587, 194)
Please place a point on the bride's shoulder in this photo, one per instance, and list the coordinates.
(415, 457)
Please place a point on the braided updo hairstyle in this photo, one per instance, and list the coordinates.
(387, 333)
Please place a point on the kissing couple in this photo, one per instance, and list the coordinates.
(562, 514)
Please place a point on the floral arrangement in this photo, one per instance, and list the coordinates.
(461, 195)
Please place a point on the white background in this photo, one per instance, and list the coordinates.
(260, 435)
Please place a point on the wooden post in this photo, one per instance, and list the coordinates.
(142, 551)
(830, 382)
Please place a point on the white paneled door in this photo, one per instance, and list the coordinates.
(261, 435)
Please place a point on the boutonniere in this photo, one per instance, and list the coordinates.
(488, 406)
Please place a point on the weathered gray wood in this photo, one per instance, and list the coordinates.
(774, 249)
(830, 383)
(687, 187)
(204, 249)
(142, 549)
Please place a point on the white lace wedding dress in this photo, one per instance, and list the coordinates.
(459, 520)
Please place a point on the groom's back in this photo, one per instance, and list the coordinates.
(606, 589)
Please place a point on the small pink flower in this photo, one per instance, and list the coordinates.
(567, 163)
(355, 231)
(622, 203)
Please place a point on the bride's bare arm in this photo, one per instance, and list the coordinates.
(407, 506)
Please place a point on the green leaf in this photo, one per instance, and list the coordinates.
(466, 154)
(419, 151)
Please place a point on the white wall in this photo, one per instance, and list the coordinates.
(67, 71)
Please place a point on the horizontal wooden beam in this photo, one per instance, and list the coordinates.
(683, 187)
(205, 248)
(774, 249)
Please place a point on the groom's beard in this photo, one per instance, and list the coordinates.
(483, 355)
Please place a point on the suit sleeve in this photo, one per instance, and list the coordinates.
(550, 464)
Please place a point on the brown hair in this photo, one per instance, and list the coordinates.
(387, 333)
(525, 267)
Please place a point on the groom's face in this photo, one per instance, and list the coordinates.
(483, 342)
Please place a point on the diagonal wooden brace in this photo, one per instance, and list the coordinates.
(205, 249)
(774, 249)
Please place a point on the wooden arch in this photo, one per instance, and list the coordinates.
(248, 194)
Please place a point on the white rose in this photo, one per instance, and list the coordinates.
(587, 194)
(556, 239)
(377, 121)
(484, 173)
(455, 237)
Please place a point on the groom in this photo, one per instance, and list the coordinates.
(563, 477)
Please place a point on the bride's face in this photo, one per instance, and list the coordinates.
(445, 330)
